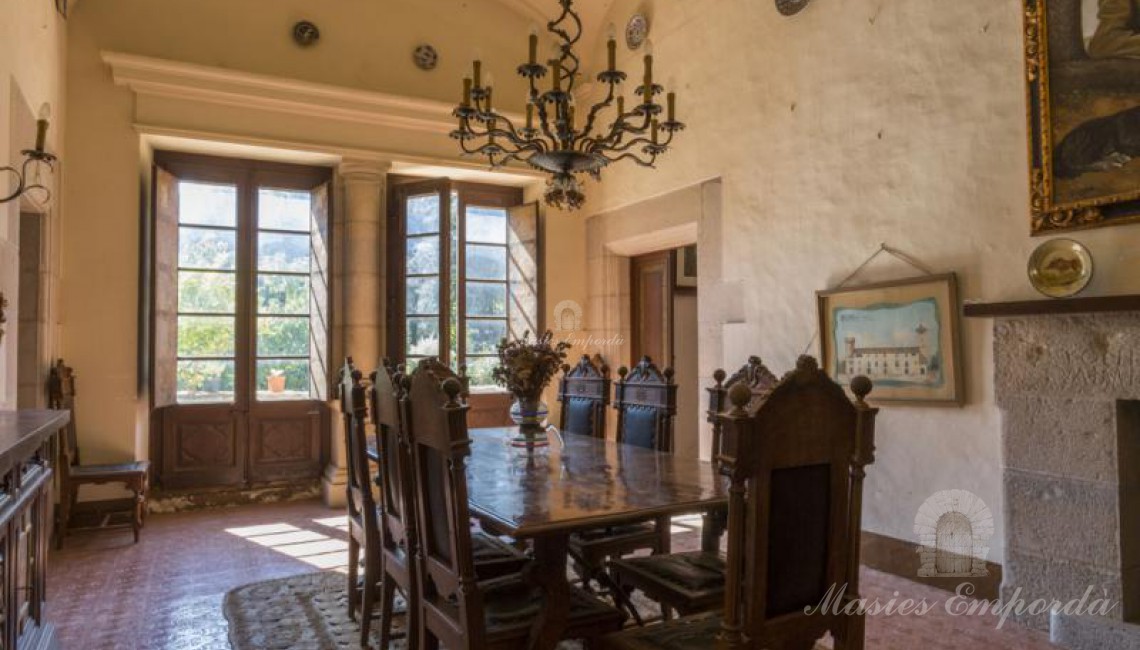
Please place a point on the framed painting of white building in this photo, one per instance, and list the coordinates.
(902, 334)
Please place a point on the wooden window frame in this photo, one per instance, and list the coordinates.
(400, 188)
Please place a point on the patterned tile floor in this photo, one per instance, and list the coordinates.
(105, 593)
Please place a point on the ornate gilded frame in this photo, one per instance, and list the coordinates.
(1047, 216)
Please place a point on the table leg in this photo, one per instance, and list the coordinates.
(715, 523)
(549, 572)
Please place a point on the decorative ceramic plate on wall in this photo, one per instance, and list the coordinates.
(791, 7)
(636, 31)
(1060, 268)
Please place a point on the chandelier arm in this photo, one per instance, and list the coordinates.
(634, 157)
(589, 127)
(544, 120)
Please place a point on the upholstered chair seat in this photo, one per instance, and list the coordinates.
(511, 604)
(693, 582)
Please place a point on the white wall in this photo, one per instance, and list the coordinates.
(32, 53)
(859, 122)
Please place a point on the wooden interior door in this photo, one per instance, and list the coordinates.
(651, 305)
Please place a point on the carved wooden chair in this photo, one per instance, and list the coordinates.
(646, 402)
(395, 477)
(134, 476)
(363, 515)
(796, 466)
(584, 393)
(457, 610)
(689, 583)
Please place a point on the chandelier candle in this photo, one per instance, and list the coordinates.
(558, 138)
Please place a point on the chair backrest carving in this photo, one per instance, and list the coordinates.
(796, 464)
(361, 502)
(440, 448)
(394, 476)
(646, 401)
(584, 393)
(755, 375)
(61, 396)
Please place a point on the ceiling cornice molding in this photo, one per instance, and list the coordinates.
(148, 76)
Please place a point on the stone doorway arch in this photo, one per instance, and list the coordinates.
(954, 528)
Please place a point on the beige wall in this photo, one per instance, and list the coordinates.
(32, 58)
(365, 46)
(855, 123)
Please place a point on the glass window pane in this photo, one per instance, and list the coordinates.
(205, 381)
(423, 296)
(486, 299)
(486, 262)
(277, 252)
(205, 336)
(488, 225)
(479, 370)
(283, 379)
(214, 293)
(204, 204)
(484, 336)
(199, 248)
(283, 209)
(423, 337)
(288, 336)
(423, 255)
(423, 214)
(282, 294)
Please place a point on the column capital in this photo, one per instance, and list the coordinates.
(364, 170)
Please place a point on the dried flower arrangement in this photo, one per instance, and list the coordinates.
(526, 366)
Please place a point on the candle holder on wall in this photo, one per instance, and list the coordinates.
(34, 162)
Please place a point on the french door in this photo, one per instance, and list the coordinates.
(465, 273)
(239, 342)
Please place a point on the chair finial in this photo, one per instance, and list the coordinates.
(861, 386)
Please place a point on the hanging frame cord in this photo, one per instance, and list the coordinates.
(883, 248)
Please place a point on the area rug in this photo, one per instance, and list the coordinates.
(310, 612)
(305, 612)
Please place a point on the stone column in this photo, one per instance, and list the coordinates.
(360, 279)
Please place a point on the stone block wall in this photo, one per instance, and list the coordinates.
(1069, 391)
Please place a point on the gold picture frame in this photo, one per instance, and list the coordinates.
(1082, 94)
(903, 334)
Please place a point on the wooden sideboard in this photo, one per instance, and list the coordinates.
(28, 452)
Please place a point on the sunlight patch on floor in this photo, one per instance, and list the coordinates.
(309, 546)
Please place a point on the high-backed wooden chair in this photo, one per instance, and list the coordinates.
(456, 609)
(397, 505)
(584, 393)
(134, 475)
(693, 582)
(363, 514)
(796, 465)
(395, 476)
(646, 402)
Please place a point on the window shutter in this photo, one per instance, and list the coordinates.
(165, 339)
(319, 297)
(524, 245)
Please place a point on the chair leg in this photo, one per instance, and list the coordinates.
(69, 497)
(387, 598)
(664, 535)
(353, 575)
(367, 604)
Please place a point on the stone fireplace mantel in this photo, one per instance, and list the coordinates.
(1067, 381)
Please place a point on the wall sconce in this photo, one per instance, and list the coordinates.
(34, 160)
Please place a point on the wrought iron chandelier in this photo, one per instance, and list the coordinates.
(555, 138)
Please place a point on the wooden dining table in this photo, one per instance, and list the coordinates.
(578, 483)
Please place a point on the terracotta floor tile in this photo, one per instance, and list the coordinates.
(165, 593)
